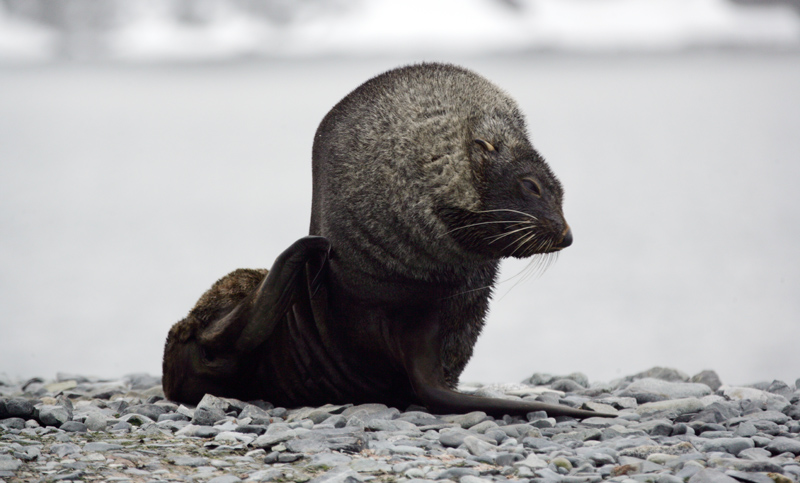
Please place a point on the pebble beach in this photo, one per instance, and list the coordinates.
(670, 427)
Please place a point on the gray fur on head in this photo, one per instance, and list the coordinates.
(400, 149)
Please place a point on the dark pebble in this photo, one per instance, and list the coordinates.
(289, 457)
(252, 429)
(19, 407)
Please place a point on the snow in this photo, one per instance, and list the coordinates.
(153, 32)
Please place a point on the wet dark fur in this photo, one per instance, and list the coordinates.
(424, 179)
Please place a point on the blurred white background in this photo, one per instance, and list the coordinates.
(149, 147)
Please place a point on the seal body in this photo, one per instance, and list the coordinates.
(423, 179)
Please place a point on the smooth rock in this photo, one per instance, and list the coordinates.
(663, 373)
(141, 381)
(96, 421)
(19, 408)
(100, 447)
(677, 406)
(8, 463)
(54, 415)
(225, 479)
(532, 461)
(709, 378)
(74, 427)
(671, 390)
(207, 416)
(783, 444)
(711, 476)
(478, 447)
(193, 461)
(13, 423)
(728, 445)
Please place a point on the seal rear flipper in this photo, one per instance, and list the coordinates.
(425, 371)
(254, 319)
(213, 355)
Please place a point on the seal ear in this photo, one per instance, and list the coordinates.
(485, 145)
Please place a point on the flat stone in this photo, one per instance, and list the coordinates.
(391, 425)
(341, 474)
(477, 446)
(454, 437)
(9, 464)
(473, 479)
(13, 423)
(139, 381)
(747, 477)
(328, 460)
(728, 445)
(192, 461)
(532, 461)
(677, 406)
(783, 444)
(225, 479)
(74, 427)
(64, 449)
(642, 452)
(776, 417)
(468, 420)
(58, 387)
(100, 447)
(454, 473)
(670, 390)
(711, 476)
(368, 465)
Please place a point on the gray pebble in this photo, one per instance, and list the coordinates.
(225, 479)
(207, 416)
(192, 461)
(727, 445)
(709, 378)
(670, 390)
(783, 444)
(711, 476)
(13, 423)
(467, 420)
(8, 463)
(74, 427)
(53, 415)
(96, 421)
(746, 477)
(478, 447)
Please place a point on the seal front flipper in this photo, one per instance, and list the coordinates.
(424, 366)
(208, 351)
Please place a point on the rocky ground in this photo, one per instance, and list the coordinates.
(669, 428)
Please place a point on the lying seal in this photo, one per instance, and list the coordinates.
(423, 179)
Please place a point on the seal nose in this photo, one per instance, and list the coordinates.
(566, 240)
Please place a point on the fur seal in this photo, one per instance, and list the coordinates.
(423, 179)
